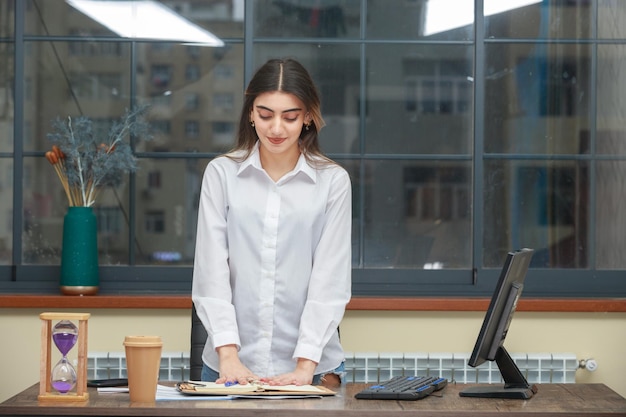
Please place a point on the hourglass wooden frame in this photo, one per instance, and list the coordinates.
(45, 384)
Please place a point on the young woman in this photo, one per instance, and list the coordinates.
(272, 272)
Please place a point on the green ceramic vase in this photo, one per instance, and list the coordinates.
(79, 257)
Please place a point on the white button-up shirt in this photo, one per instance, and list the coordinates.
(272, 270)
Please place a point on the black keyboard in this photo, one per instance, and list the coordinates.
(403, 388)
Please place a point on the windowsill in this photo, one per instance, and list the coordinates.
(604, 305)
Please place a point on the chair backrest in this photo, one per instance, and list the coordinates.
(198, 338)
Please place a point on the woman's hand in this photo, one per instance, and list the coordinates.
(302, 375)
(231, 369)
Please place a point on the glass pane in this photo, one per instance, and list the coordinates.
(414, 19)
(611, 119)
(307, 19)
(417, 214)
(537, 19)
(45, 205)
(56, 17)
(419, 99)
(611, 19)
(167, 210)
(352, 166)
(6, 211)
(537, 98)
(7, 90)
(72, 79)
(543, 205)
(199, 21)
(610, 208)
(223, 18)
(195, 94)
(335, 70)
(7, 19)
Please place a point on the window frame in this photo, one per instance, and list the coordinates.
(367, 283)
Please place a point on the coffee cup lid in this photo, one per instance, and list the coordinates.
(146, 341)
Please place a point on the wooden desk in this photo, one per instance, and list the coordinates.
(552, 399)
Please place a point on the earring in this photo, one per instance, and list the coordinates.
(252, 123)
(306, 126)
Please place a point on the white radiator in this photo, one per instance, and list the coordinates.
(536, 367)
(107, 365)
(375, 367)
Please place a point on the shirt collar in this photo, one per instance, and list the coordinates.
(254, 161)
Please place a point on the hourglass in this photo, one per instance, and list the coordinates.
(63, 382)
(64, 336)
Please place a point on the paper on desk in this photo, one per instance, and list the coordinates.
(200, 387)
(212, 391)
(165, 393)
(276, 397)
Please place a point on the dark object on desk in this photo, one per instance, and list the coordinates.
(403, 388)
(490, 342)
(115, 382)
(198, 339)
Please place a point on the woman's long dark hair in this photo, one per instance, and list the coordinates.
(288, 76)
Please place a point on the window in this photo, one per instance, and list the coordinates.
(161, 75)
(464, 140)
(192, 72)
(161, 126)
(192, 101)
(224, 101)
(192, 129)
(437, 194)
(154, 179)
(224, 72)
(110, 221)
(155, 222)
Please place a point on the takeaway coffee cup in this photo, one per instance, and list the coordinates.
(143, 359)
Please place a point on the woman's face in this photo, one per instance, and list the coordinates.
(278, 120)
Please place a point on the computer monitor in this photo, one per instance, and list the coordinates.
(490, 342)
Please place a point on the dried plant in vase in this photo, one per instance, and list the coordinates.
(86, 162)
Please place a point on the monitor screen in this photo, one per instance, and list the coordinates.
(490, 342)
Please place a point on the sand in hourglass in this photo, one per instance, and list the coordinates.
(63, 374)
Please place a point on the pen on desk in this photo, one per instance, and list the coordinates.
(196, 384)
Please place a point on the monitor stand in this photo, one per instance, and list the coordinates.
(515, 385)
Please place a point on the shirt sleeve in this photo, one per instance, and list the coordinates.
(211, 291)
(330, 286)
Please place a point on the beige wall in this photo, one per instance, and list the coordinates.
(601, 336)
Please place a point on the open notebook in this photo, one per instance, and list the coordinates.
(252, 389)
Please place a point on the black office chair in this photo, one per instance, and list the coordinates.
(198, 338)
